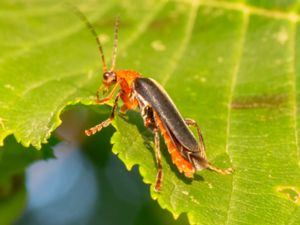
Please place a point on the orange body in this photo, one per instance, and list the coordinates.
(181, 163)
(125, 78)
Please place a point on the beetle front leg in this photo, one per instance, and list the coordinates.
(191, 122)
(106, 122)
(159, 175)
(109, 96)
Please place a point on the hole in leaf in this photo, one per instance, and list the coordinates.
(290, 193)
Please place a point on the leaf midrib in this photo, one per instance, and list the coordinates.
(174, 62)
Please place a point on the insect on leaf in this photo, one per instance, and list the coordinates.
(233, 66)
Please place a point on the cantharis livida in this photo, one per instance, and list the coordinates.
(158, 111)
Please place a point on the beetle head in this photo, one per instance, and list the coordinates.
(109, 78)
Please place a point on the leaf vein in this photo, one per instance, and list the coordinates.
(46, 81)
(174, 62)
(143, 25)
(230, 98)
(49, 39)
(293, 95)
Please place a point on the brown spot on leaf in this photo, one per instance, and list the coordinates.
(265, 101)
(291, 193)
(161, 23)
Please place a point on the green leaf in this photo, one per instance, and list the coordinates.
(230, 65)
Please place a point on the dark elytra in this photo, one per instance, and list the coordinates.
(167, 111)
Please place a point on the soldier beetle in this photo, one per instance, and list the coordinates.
(158, 111)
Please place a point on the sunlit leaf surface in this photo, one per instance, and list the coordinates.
(233, 66)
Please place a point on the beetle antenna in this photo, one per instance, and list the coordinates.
(114, 53)
(93, 31)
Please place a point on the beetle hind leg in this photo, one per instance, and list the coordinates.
(191, 122)
(219, 170)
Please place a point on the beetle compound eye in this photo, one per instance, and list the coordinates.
(106, 75)
(110, 76)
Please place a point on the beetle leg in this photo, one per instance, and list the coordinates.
(191, 122)
(219, 170)
(149, 122)
(129, 101)
(109, 96)
(123, 109)
(159, 175)
(106, 122)
(97, 92)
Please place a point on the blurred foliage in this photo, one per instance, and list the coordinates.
(14, 158)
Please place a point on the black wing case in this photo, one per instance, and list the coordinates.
(160, 101)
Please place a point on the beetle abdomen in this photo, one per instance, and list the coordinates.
(183, 165)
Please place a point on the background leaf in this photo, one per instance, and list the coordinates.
(14, 158)
(231, 65)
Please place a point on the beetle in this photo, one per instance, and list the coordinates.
(158, 111)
